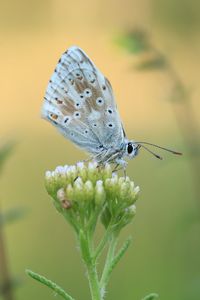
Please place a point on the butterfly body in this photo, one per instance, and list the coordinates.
(79, 101)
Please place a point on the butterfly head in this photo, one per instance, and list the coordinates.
(132, 149)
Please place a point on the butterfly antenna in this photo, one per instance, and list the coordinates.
(163, 148)
(154, 154)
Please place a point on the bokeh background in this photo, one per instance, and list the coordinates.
(165, 256)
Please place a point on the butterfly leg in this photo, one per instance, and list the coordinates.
(116, 168)
(123, 164)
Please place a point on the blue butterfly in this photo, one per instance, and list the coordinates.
(79, 101)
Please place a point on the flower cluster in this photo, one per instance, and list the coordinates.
(84, 193)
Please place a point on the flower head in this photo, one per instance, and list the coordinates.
(83, 193)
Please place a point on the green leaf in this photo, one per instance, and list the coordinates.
(135, 41)
(12, 215)
(151, 296)
(5, 151)
(155, 63)
(121, 252)
(111, 260)
(52, 285)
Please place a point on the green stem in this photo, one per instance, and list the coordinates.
(93, 282)
(106, 271)
(87, 255)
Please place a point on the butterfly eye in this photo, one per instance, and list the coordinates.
(129, 148)
(100, 101)
(77, 114)
(88, 93)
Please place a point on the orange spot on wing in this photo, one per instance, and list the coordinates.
(54, 117)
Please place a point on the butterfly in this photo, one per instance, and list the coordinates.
(79, 101)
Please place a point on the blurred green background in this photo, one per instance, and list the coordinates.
(165, 255)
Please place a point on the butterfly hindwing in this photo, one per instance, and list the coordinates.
(80, 103)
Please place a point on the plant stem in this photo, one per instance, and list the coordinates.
(91, 269)
(5, 280)
(93, 281)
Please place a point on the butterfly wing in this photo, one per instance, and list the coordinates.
(79, 101)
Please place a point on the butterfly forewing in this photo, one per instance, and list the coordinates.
(80, 103)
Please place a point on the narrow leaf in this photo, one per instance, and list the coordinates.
(52, 285)
(121, 252)
(151, 296)
(111, 265)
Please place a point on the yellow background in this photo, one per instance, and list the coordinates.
(164, 257)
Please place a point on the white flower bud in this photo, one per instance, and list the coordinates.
(114, 180)
(88, 185)
(48, 174)
(89, 190)
(137, 189)
(65, 168)
(108, 170)
(80, 165)
(121, 180)
(71, 172)
(99, 192)
(92, 166)
(59, 169)
(132, 209)
(61, 194)
(82, 170)
(81, 191)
